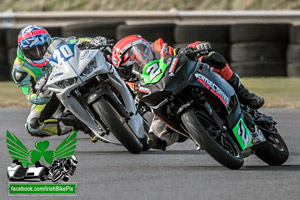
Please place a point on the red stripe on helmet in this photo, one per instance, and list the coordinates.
(39, 65)
(32, 33)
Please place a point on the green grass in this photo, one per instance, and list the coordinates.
(12, 96)
(278, 92)
(109, 5)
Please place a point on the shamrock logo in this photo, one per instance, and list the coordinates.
(18, 150)
(41, 152)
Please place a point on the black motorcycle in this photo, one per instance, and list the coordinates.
(196, 102)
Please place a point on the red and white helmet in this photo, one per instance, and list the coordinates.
(131, 52)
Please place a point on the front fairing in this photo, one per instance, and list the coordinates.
(68, 64)
(167, 79)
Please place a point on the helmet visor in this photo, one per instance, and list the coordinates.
(35, 53)
(141, 54)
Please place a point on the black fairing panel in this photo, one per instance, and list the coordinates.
(232, 108)
(171, 82)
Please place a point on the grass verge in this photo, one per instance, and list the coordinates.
(278, 92)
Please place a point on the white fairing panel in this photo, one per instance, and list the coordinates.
(69, 62)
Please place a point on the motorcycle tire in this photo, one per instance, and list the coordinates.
(56, 176)
(274, 151)
(229, 155)
(117, 125)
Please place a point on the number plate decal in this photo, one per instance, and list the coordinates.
(242, 134)
(153, 71)
(62, 53)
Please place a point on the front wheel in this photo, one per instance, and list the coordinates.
(274, 151)
(217, 144)
(117, 125)
(57, 175)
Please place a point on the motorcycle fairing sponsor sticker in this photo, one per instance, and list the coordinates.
(213, 88)
(144, 90)
(56, 75)
(242, 134)
(172, 68)
(62, 53)
(84, 54)
(153, 71)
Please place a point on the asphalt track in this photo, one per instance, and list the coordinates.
(107, 171)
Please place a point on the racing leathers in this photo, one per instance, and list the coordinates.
(40, 121)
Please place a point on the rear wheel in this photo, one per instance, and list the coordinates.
(274, 151)
(117, 125)
(217, 144)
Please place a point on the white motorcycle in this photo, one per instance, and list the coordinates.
(91, 89)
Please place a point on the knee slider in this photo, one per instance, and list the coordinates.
(31, 130)
(34, 123)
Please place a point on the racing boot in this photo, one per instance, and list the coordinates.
(160, 136)
(245, 97)
(155, 142)
(71, 120)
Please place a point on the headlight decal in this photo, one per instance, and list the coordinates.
(90, 67)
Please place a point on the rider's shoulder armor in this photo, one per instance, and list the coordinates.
(19, 75)
(24, 73)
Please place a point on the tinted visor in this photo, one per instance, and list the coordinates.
(141, 54)
(35, 53)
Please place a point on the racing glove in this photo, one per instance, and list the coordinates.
(98, 42)
(103, 44)
(196, 49)
(203, 48)
(42, 91)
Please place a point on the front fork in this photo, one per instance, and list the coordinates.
(84, 104)
(247, 135)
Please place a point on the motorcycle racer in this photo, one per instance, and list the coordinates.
(30, 71)
(131, 53)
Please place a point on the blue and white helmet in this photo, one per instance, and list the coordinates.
(33, 41)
